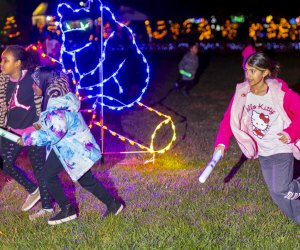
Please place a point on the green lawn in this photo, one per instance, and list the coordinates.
(166, 206)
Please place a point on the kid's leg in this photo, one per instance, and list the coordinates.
(188, 85)
(50, 173)
(89, 182)
(37, 157)
(178, 83)
(10, 152)
(278, 174)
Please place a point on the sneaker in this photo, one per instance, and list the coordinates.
(66, 214)
(41, 214)
(31, 200)
(113, 209)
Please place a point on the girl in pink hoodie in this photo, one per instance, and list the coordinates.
(264, 117)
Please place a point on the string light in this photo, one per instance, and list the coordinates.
(41, 53)
(79, 76)
(92, 92)
(150, 149)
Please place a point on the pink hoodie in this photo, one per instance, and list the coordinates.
(235, 121)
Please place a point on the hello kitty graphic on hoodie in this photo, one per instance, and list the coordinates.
(266, 123)
(260, 123)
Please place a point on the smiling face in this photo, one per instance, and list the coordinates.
(255, 76)
(9, 65)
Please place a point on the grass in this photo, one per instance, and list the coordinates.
(166, 206)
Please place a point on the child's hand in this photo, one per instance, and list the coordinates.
(20, 142)
(284, 138)
(220, 147)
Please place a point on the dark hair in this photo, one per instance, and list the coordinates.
(28, 60)
(261, 61)
(53, 83)
(44, 76)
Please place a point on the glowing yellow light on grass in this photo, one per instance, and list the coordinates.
(150, 149)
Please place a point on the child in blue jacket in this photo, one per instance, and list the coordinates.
(71, 147)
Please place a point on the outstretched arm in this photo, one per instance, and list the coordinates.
(225, 133)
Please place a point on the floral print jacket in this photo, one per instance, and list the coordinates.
(65, 131)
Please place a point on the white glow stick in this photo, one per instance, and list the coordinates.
(8, 135)
(210, 166)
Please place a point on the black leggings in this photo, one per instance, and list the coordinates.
(37, 155)
(88, 181)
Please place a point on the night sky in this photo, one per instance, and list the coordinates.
(176, 9)
(182, 9)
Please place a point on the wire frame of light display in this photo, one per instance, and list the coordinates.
(95, 92)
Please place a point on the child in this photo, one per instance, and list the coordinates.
(264, 117)
(187, 69)
(19, 111)
(246, 53)
(72, 147)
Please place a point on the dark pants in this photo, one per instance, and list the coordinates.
(185, 85)
(10, 152)
(51, 170)
(278, 174)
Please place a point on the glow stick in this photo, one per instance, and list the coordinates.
(8, 135)
(210, 166)
(185, 73)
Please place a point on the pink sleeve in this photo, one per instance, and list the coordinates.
(291, 105)
(225, 133)
(284, 85)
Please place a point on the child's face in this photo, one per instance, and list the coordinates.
(37, 91)
(255, 76)
(9, 65)
(194, 50)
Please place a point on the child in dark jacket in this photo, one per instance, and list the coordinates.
(187, 69)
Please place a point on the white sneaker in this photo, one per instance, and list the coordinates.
(31, 200)
(41, 213)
